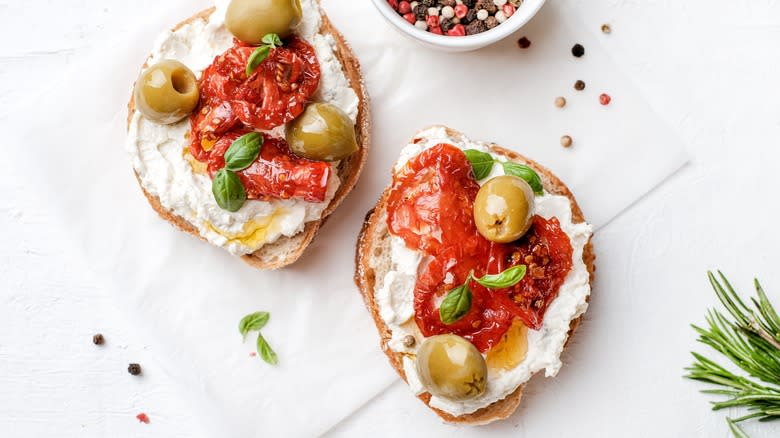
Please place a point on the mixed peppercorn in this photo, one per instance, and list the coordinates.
(455, 17)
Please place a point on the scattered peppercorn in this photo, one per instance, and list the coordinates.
(98, 339)
(578, 50)
(579, 85)
(143, 418)
(605, 28)
(134, 369)
(566, 141)
(560, 102)
(409, 341)
(524, 43)
(605, 99)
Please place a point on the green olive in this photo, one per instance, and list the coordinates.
(166, 92)
(504, 208)
(323, 132)
(251, 20)
(451, 367)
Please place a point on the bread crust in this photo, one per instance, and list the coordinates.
(287, 250)
(374, 239)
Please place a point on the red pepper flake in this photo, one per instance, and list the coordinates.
(143, 418)
(605, 99)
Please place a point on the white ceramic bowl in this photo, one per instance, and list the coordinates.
(524, 13)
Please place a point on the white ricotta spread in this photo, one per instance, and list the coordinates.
(395, 295)
(158, 150)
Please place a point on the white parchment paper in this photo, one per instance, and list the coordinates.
(188, 296)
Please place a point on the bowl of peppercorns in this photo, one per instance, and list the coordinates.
(458, 25)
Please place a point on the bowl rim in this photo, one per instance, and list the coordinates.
(529, 9)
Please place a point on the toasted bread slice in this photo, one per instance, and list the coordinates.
(287, 250)
(373, 262)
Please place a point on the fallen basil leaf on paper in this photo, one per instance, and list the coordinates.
(253, 322)
(265, 351)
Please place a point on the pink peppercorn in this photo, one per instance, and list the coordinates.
(508, 9)
(461, 11)
(404, 7)
(457, 30)
(605, 99)
(432, 20)
(436, 30)
(393, 4)
(410, 18)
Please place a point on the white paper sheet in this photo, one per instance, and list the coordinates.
(189, 296)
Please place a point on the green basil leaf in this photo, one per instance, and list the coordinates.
(228, 190)
(256, 58)
(526, 173)
(272, 40)
(508, 278)
(481, 162)
(243, 152)
(253, 322)
(456, 304)
(265, 351)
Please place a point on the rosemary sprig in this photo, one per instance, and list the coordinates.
(751, 341)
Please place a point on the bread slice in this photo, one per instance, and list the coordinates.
(287, 250)
(373, 262)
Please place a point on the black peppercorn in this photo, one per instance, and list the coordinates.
(98, 339)
(446, 24)
(134, 369)
(578, 50)
(524, 43)
(475, 27)
(470, 3)
(579, 85)
(471, 16)
(428, 3)
(420, 12)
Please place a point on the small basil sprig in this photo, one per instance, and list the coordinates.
(457, 303)
(243, 152)
(253, 323)
(270, 41)
(227, 188)
(506, 279)
(482, 164)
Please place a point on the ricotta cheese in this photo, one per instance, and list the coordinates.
(394, 296)
(159, 151)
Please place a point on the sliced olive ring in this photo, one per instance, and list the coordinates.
(166, 92)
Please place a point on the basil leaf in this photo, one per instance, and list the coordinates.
(256, 58)
(272, 40)
(481, 162)
(228, 190)
(526, 173)
(508, 278)
(243, 152)
(457, 304)
(265, 351)
(253, 322)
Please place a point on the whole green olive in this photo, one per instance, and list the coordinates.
(166, 92)
(251, 20)
(323, 132)
(451, 367)
(504, 208)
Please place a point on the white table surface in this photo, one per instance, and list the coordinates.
(711, 69)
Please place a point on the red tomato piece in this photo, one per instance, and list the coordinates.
(277, 172)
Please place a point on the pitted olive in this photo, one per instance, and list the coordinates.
(251, 20)
(166, 92)
(323, 132)
(449, 366)
(504, 208)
